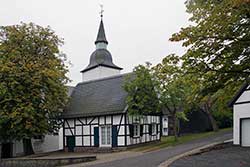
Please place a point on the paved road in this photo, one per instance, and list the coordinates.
(153, 159)
(229, 156)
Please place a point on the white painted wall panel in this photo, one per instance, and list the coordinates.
(71, 123)
(67, 132)
(116, 119)
(78, 130)
(86, 140)
(101, 121)
(78, 122)
(121, 141)
(240, 111)
(95, 121)
(82, 120)
(86, 130)
(108, 120)
(121, 131)
(78, 141)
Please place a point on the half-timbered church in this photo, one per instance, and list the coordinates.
(97, 115)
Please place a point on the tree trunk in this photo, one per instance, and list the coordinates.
(178, 127)
(175, 128)
(27, 147)
(207, 110)
(213, 122)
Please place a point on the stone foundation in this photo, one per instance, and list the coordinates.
(35, 162)
(97, 149)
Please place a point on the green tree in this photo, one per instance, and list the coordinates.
(142, 91)
(218, 41)
(202, 100)
(173, 89)
(32, 88)
(218, 52)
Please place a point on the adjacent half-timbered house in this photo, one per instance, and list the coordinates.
(97, 112)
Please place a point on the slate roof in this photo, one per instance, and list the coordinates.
(97, 97)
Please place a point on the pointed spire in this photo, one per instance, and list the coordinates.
(101, 37)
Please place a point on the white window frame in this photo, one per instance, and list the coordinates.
(136, 129)
(105, 139)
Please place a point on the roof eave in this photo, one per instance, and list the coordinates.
(238, 94)
(64, 116)
(104, 65)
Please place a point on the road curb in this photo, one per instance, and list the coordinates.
(188, 153)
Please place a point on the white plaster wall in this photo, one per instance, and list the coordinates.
(99, 72)
(48, 144)
(60, 139)
(240, 111)
(51, 143)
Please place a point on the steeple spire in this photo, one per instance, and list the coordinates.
(101, 58)
(101, 37)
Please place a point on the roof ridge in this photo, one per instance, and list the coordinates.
(239, 93)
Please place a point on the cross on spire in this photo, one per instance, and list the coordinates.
(102, 11)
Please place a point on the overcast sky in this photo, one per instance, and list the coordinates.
(137, 30)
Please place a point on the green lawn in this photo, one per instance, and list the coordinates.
(169, 141)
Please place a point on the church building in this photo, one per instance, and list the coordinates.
(96, 116)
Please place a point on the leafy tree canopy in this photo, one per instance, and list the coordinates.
(218, 42)
(33, 78)
(142, 96)
(173, 88)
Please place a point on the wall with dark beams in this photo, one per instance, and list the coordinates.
(83, 129)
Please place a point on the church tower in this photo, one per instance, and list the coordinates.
(101, 63)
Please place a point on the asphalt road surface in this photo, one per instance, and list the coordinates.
(155, 158)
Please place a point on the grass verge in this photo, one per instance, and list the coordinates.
(169, 141)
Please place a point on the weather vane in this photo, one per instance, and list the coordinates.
(101, 12)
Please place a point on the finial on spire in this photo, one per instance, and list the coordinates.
(101, 12)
